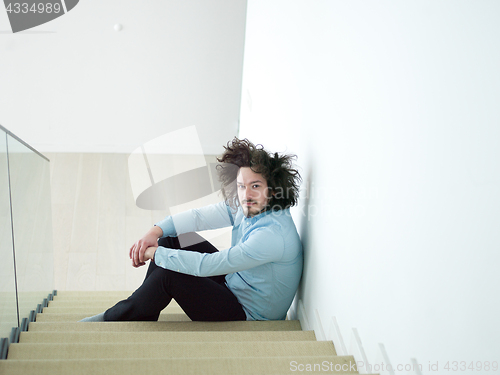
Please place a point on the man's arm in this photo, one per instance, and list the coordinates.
(209, 217)
(213, 216)
(263, 246)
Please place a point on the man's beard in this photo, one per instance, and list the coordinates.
(251, 211)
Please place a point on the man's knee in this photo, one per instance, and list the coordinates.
(169, 278)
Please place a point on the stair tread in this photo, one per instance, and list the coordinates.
(71, 317)
(267, 325)
(91, 293)
(169, 350)
(92, 304)
(86, 310)
(165, 336)
(184, 366)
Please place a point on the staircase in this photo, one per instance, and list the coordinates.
(56, 343)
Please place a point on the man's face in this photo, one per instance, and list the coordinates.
(253, 192)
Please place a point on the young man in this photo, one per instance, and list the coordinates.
(256, 278)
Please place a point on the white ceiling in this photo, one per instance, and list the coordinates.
(76, 84)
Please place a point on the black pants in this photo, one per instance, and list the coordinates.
(201, 298)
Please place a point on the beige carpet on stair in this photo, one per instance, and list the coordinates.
(57, 344)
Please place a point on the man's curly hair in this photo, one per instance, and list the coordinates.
(282, 179)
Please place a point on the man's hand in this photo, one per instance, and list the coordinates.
(148, 242)
(149, 254)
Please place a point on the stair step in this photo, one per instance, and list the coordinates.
(100, 304)
(89, 310)
(75, 300)
(185, 336)
(266, 325)
(181, 366)
(165, 317)
(170, 350)
(90, 295)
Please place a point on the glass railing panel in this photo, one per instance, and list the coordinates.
(32, 223)
(8, 305)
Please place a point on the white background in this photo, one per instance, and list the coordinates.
(392, 108)
(75, 84)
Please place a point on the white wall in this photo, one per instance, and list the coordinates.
(392, 108)
(77, 85)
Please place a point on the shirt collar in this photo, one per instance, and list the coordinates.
(252, 220)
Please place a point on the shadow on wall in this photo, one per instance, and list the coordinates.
(304, 231)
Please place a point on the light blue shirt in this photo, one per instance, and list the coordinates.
(263, 264)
